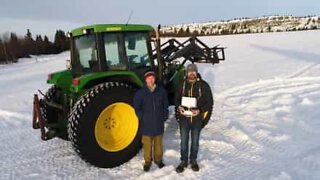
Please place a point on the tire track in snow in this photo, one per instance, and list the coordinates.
(304, 70)
(231, 155)
(24, 155)
(241, 102)
(288, 153)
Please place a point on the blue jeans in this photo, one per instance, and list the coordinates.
(186, 126)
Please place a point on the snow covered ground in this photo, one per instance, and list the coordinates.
(265, 123)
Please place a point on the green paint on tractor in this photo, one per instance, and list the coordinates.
(110, 28)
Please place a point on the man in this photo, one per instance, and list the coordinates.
(151, 107)
(194, 117)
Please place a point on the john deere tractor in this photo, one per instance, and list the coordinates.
(90, 103)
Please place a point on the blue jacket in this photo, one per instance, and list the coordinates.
(152, 109)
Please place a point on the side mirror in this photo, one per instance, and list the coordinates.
(68, 64)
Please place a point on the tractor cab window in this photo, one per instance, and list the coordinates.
(86, 53)
(112, 45)
(126, 51)
(137, 51)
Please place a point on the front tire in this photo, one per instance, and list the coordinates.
(103, 127)
(50, 114)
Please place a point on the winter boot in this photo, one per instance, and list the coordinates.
(194, 165)
(181, 167)
(146, 167)
(160, 164)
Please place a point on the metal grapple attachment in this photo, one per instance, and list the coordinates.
(192, 49)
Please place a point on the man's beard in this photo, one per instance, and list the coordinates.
(192, 77)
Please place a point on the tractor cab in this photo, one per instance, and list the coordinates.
(102, 48)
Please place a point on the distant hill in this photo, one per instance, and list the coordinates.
(244, 25)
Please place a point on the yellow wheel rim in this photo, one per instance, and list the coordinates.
(116, 127)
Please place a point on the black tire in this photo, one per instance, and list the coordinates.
(50, 114)
(83, 119)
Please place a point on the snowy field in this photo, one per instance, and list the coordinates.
(265, 122)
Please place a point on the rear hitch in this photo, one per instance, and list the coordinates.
(37, 121)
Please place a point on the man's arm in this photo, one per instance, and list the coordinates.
(137, 104)
(165, 105)
(177, 100)
(207, 99)
(207, 105)
(177, 97)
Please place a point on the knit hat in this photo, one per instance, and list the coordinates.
(148, 74)
(192, 67)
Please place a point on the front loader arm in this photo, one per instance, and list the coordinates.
(192, 49)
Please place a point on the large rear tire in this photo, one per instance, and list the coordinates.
(103, 127)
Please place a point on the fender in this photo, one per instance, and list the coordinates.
(89, 80)
(62, 79)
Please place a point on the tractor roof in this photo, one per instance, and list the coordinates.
(110, 28)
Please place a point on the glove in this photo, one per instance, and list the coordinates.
(204, 123)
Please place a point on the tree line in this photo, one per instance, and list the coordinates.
(244, 25)
(13, 47)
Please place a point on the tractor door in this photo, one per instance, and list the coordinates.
(138, 52)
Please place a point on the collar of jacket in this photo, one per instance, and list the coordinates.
(148, 90)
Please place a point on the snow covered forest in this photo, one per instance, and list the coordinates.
(244, 25)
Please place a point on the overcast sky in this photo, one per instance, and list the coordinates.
(45, 16)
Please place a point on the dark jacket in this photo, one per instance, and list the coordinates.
(201, 91)
(151, 109)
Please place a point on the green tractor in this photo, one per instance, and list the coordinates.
(91, 102)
